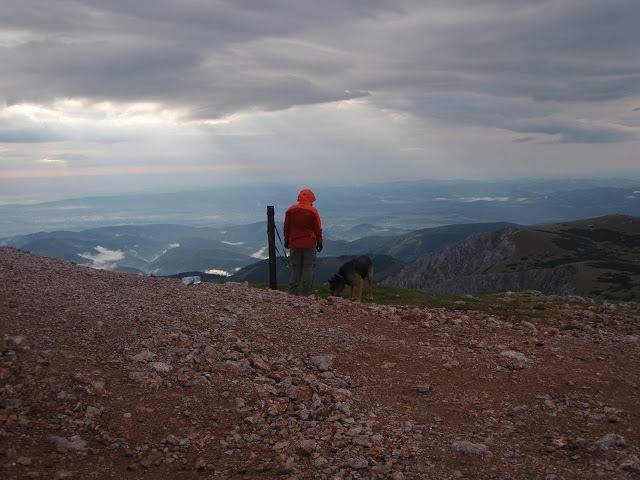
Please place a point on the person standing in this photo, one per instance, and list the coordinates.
(303, 236)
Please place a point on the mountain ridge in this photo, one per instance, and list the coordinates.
(594, 256)
(165, 249)
(598, 256)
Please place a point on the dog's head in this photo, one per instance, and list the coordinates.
(336, 285)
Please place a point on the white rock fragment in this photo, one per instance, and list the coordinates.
(520, 357)
(144, 356)
(161, 367)
(423, 388)
(469, 448)
(610, 440)
(357, 463)
(631, 464)
(74, 443)
(323, 362)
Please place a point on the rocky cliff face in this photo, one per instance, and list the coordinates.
(459, 269)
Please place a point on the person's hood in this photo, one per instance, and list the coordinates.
(306, 196)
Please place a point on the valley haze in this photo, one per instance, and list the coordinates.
(398, 206)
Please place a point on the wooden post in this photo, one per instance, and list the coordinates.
(271, 230)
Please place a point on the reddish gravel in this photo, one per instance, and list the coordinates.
(116, 376)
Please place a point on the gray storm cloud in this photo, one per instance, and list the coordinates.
(412, 83)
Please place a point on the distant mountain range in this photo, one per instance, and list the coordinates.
(224, 231)
(157, 249)
(171, 249)
(598, 257)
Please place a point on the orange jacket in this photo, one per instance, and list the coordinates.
(302, 225)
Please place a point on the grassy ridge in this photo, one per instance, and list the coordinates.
(527, 304)
(605, 253)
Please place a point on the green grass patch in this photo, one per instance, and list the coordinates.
(525, 304)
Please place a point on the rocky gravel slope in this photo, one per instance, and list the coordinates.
(116, 376)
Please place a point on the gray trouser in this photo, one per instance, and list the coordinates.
(303, 263)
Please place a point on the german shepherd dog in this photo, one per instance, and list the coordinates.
(352, 273)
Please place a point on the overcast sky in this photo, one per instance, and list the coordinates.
(121, 95)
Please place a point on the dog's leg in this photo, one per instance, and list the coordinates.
(370, 278)
(358, 287)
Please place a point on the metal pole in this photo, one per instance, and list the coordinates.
(271, 230)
